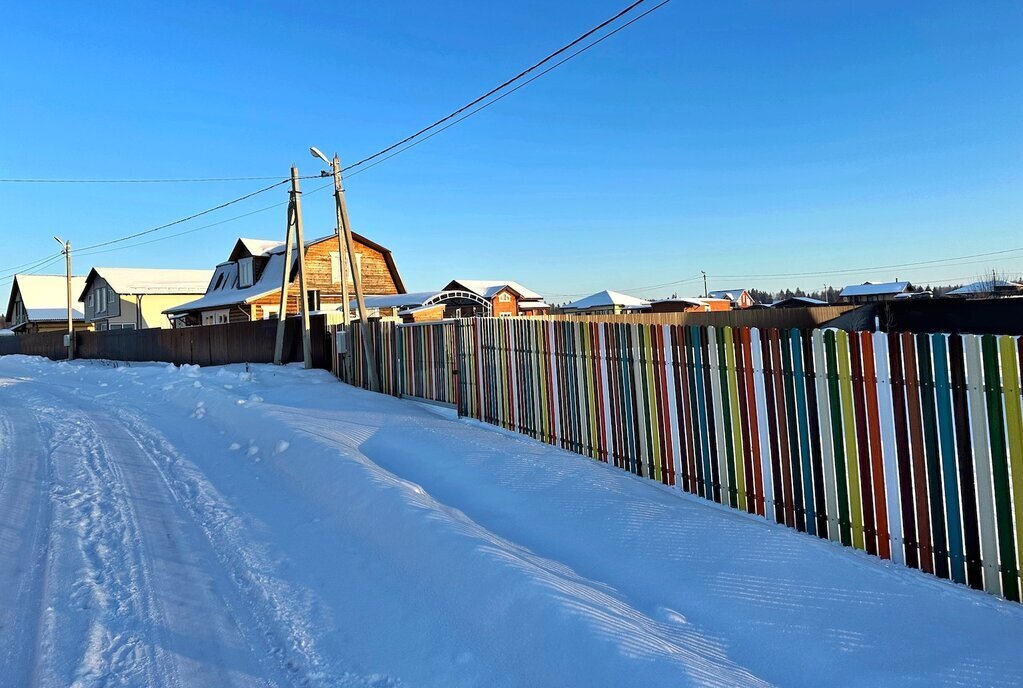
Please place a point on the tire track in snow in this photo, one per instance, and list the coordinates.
(93, 631)
(141, 609)
(24, 541)
(245, 598)
(279, 612)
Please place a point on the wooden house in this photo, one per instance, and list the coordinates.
(506, 298)
(38, 303)
(739, 298)
(136, 298)
(872, 292)
(247, 286)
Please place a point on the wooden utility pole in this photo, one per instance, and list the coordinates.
(282, 312)
(705, 292)
(342, 265)
(369, 348)
(303, 303)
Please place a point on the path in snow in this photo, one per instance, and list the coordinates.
(171, 526)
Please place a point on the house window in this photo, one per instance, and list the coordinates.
(216, 317)
(505, 297)
(271, 312)
(101, 300)
(335, 267)
(245, 272)
(313, 299)
(92, 300)
(122, 326)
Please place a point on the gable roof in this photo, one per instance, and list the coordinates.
(223, 289)
(45, 297)
(151, 280)
(875, 289)
(798, 301)
(730, 294)
(489, 288)
(265, 248)
(986, 287)
(608, 299)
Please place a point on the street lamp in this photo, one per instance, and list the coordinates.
(346, 249)
(316, 153)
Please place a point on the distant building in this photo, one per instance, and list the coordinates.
(38, 303)
(798, 302)
(872, 292)
(680, 304)
(739, 298)
(606, 303)
(987, 289)
(507, 298)
(136, 298)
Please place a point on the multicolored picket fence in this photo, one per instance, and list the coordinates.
(906, 446)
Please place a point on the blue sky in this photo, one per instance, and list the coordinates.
(747, 139)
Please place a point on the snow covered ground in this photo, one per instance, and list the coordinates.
(165, 526)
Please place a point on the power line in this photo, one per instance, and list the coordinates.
(507, 83)
(399, 144)
(184, 219)
(891, 266)
(504, 95)
(83, 252)
(136, 181)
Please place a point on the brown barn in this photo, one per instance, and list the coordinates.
(247, 286)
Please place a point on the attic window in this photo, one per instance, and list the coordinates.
(220, 280)
(245, 272)
(505, 297)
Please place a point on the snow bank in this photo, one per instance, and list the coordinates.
(383, 544)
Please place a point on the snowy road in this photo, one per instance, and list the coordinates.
(162, 526)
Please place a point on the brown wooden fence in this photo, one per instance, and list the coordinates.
(799, 318)
(246, 342)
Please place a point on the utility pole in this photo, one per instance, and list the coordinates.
(70, 312)
(282, 312)
(295, 235)
(335, 166)
(369, 348)
(303, 303)
(342, 266)
(706, 293)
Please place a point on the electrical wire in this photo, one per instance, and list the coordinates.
(501, 97)
(137, 181)
(502, 86)
(185, 219)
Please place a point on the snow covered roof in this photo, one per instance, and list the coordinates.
(490, 288)
(539, 303)
(45, 297)
(608, 299)
(261, 247)
(804, 300)
(224, 290)
(688, 300)
(986, 287)
(413, 300)
(152, 280)
(729, 294)
(875, 289)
